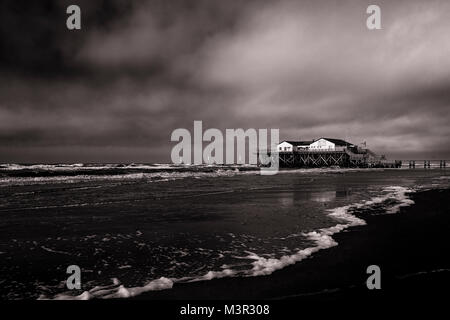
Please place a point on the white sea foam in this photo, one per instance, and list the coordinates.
(169, 174)
(82, 166)
(54, 251)
(323, 237)
(262, 265)
(396, 193)
(213, 275)
(155, 285)
(116, 290)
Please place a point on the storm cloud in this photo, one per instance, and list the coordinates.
(115, 90)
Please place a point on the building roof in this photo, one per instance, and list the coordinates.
(298, 143)
(337, 142)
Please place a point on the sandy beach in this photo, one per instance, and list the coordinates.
(411, 248)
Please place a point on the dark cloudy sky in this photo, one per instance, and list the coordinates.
(115, 91)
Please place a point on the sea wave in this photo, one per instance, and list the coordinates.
(33, 174)
(391, 198)
(13, 174)
(323, 237)
(116, 290)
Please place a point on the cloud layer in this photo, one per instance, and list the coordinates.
(116, 90)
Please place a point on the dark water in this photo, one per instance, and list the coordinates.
(138, 229)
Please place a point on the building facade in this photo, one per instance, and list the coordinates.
(290, 146)
(322, 144)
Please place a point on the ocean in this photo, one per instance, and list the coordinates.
(137, 228)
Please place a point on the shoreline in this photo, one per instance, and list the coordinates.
(410, 247)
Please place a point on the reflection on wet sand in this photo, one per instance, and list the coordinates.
(324, 196)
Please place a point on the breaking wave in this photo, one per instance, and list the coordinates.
(15, 174)
(391, 199)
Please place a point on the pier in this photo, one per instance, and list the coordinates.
(427, 164)
(332, 152)
(318, 159)
(345, 159)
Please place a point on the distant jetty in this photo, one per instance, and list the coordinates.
(329, 152)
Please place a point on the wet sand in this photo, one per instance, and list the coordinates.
(411, 248)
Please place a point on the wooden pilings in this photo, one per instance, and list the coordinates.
(330, 159)
(427, 163)
(342, 159)
(313, 159)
